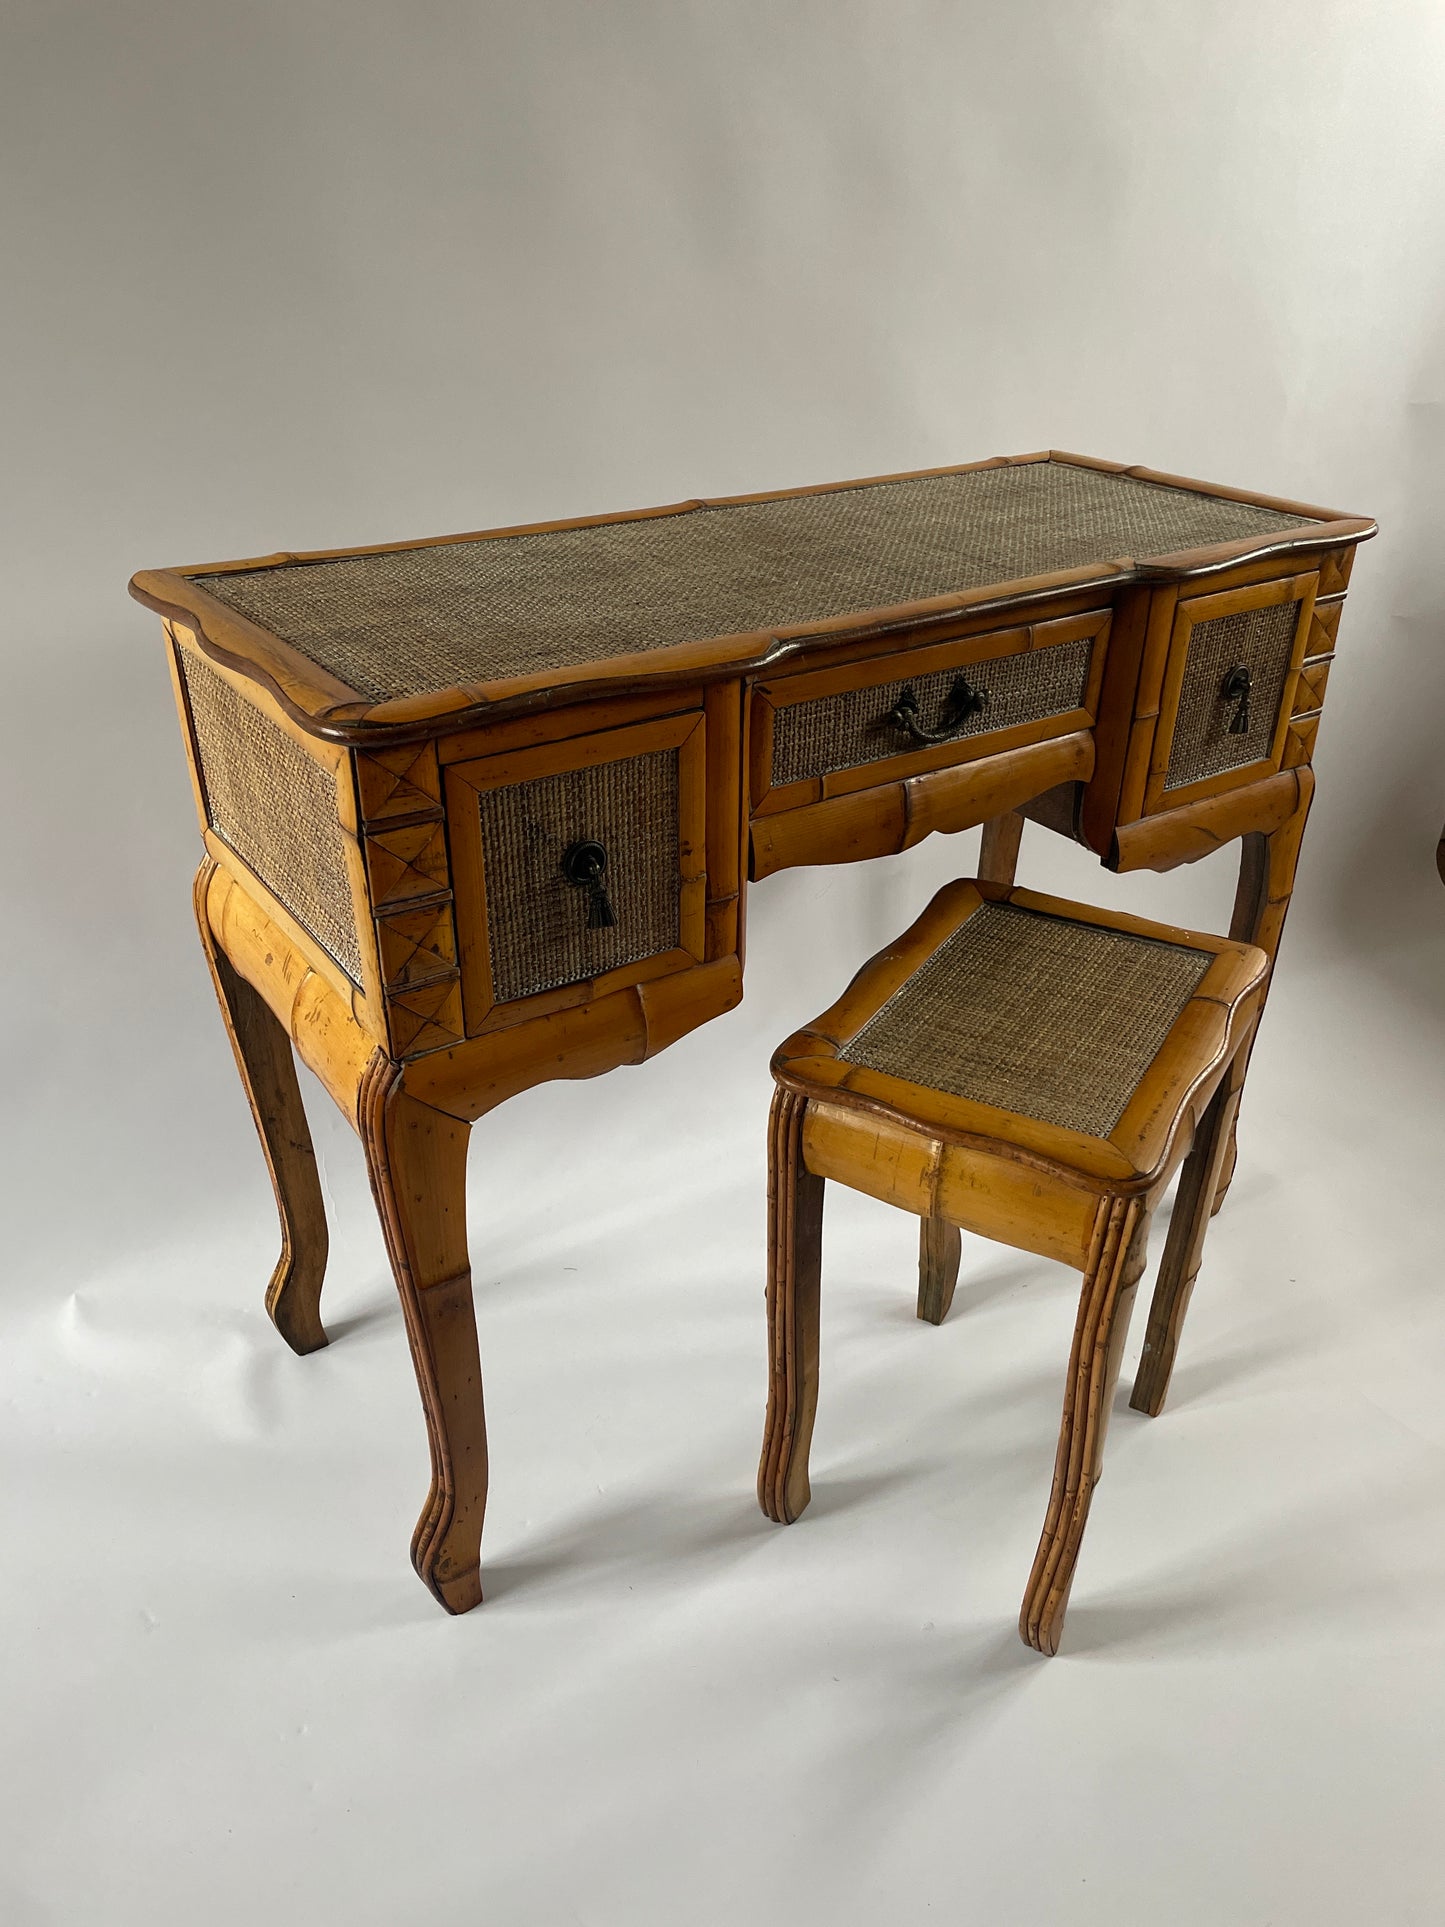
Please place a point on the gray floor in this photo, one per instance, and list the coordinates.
(228, 1698)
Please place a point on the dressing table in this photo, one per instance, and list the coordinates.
(483, 811)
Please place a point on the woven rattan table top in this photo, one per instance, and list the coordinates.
(404, 622)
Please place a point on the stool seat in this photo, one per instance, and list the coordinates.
(1034, 1071)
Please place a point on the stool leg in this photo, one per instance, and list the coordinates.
(1115, 1265)
(417, 1161)
(1226, 1168)
(795, 1257)
(1194, 1205)
(940, 1247)
(268, 1075)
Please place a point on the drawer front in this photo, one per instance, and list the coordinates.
(544, 930)
(840, 732)
(584, 873)
(976, 696)
(1234, 661)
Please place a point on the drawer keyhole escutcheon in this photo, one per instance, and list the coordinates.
(961, 702)
(1235, 689)
(583, 865)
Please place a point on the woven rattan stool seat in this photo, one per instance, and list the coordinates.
(1043, 1015)
(1032, 1071)
(1071, 1032)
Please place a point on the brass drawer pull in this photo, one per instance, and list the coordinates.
(1235, 689)
(962, 702)
(583, 865)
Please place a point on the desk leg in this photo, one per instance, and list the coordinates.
(939, 1244)
(1267, 866)
(417, 1161)
(998, 852)
(268, 1075)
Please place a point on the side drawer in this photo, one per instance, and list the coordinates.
(579, 866)
(828, 732)
(1229, 687)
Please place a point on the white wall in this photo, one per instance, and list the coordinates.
(301, 276)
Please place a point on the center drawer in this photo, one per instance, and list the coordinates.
(828, 732)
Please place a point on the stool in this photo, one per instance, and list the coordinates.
(1033, 1071)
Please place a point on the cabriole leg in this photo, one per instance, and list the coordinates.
(1115, 1265)
(268, 1074)
(1199, 1182)
(795, 1256)
(417, 1161)
(1247, 925)
(1267, 866)
(940, 1248)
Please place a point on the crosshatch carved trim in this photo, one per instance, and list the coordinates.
(844, 730)
(1263, 640)
(398, 782)
(276, 807)
(537, 922)
(1034, 1014)
(409, 621)
(416, 946)
(425, 1019)
(406, 861)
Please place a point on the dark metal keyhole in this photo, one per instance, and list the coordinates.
(1235, 689)
(961, 702)
(583, 865)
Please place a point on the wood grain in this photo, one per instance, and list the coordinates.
(1100, 1329)
(1184, 1249)
(998, 856)
(795, 1253)
(1166, 841)
(416, 1160)
(898, 816)
(267, 1068)
(321, 1025)
(940, 1250)
(994, 1191)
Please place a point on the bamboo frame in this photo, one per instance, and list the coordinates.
(418, 1052)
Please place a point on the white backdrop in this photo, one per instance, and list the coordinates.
(304, 275)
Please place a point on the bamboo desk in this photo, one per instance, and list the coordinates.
(480, 812)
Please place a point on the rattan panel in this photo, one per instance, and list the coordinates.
(1262, 639)
(536, 920)
(411, 621)
(839, 732)
(1034, 1014)
(276, 808)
